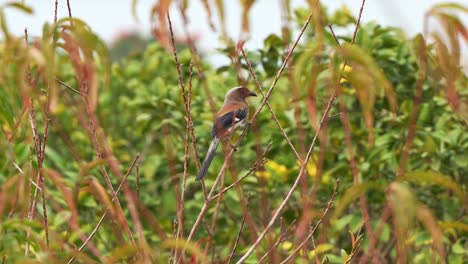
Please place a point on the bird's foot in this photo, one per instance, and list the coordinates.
(233, 146)
(228, 142)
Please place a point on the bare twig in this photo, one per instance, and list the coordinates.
(421, 77)
(92, 121)
(198, 64)
(96, 228)
(69, 87)
(187, 104)
(39, 147)
(137, 176)
(259, 88)
(214, 219)
(309, 153)
(55, 11)
(211, 195)
(240, 231)
(260, 161)
(330, 203)
(348, 133)
(244, 132)
(70, 13)
(280, 240)
(356, 247)
(293, 187)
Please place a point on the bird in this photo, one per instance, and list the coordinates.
(232, 115)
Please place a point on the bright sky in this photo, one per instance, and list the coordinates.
(109, 17)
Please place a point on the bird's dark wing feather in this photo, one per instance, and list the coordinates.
(224, 122)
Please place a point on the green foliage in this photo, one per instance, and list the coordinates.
(135, 105)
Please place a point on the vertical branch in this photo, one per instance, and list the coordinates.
(240, 232)
(101, 220)
(182, 86)
(39, 147)
(137, 176)
(198, 64)
(348, 131)
(55, 11)
(70, 12)
(186, 150)
(92, 127)
(421, 53)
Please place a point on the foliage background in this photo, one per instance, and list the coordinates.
(78, 116)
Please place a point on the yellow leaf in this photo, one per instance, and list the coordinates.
(311, 168)
(320, 249)
(263, 174)
(278, 168)
(286, 245)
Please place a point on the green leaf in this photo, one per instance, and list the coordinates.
(352, 194)
(344, 256)
(20, 6)
(434, 178)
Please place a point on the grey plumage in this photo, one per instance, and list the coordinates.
(209, 157)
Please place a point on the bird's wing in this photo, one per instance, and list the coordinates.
(227, 120)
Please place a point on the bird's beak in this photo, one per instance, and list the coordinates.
(252, 93)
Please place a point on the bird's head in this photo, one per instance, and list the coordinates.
(238, 94)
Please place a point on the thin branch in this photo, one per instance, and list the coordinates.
(334, 35)
(70, 13)
(69, 87)
(186, 102)
(211, 195)
(244, 132)
(421, 77)
(260, 161)
(198, 64)
(358, 246)
(39, 155)
(293, 187)
(55, 11)
(280, 240)
(92, 122)
(96, 228)
(280, 71)
(259, 88)
(330, 203)
(240, 231)
(348, 131)
(309, 153)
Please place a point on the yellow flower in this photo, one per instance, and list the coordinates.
(320, 249)
(278, 168)
(311, 166)
(346, 70)
(286, 245)
(263, 174)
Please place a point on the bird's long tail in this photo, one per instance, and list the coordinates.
(209, 157)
